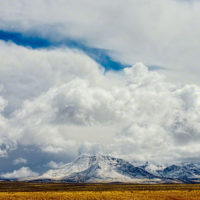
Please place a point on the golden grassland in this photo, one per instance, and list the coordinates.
(61, 191)
(105, 195)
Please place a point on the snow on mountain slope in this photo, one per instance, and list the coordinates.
(80, 164)
(153, 168)
(100, 168)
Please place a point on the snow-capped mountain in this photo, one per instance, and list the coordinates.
(100, 168)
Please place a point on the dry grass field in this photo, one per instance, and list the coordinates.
(61, 191)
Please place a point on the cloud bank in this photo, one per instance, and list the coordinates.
(62, 102)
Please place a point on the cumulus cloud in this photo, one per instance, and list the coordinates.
(19, 161)
(134, 113)
(25, 74)
(23, 172)
(164, 33)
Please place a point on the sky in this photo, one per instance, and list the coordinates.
(98, 77)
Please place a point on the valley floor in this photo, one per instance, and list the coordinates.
(61, 191)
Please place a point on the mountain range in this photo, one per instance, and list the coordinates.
(107, 169)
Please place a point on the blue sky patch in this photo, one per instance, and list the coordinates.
(99, 55)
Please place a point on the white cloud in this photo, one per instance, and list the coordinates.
(23, 172)
(6, 143)
(53, 164)
(19, 161)
(164, 33)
